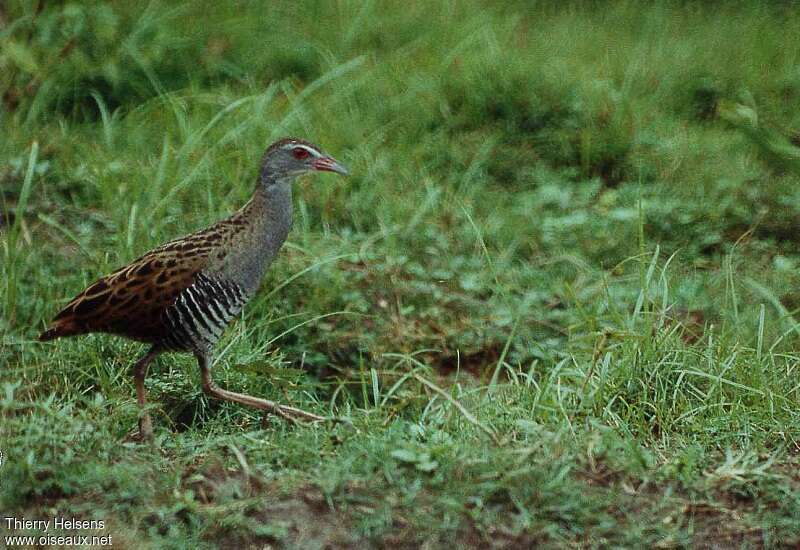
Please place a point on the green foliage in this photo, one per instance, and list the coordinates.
(61, 59)
(531, 121)
(556, 300)
(87, 59)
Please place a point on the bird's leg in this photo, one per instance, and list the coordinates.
(139, 373)
(287, 412)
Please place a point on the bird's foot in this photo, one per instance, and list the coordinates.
(299, 416)
(293, 414)
(139, 435)
(287, 412)
(145, 428)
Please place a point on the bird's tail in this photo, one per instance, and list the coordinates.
(49, 334)
(59, 328)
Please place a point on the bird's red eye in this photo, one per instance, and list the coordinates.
(299, 153)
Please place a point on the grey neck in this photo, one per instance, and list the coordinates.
(270, 213)
(275, 196)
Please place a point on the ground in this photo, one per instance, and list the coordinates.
(555, 303)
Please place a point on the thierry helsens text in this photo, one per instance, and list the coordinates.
(56, 523)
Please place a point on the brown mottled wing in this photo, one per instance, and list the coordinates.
(131, 301)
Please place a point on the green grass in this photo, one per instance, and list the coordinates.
(556, 300)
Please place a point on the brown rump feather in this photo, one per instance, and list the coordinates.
(132, 300)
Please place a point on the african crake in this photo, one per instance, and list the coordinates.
(180, 296)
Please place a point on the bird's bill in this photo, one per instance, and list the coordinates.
(330, 164)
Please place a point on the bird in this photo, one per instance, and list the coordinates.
(180, 296)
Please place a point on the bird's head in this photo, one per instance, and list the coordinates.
(291, 157)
